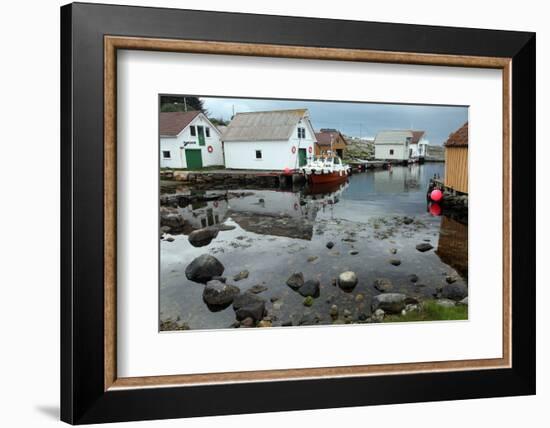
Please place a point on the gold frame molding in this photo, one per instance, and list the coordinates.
(113, 43)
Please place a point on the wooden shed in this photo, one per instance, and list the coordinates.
(456, 160)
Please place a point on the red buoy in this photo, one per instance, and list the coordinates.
(436, 195)
(435, 209)
(287, 170)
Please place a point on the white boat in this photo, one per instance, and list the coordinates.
(326, 169)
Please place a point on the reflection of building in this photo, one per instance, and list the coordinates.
(269, 140)
(456, 160)
(203, 213)
(393, 145)
(397, 180)
(188, 140)
(330, 140)
(453, 245)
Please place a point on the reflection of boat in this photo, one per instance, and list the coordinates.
(325, 188)
(326, 169)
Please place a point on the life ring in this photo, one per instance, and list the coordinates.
(210, 149)
(293, 149)
(310, 149)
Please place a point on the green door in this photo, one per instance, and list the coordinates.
(302, 157)
(193, 158)
(200, 131)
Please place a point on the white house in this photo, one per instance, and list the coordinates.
(189, 140)
(269, 140)
(393, 145)
(419, 145)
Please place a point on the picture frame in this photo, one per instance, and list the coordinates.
(91, 392)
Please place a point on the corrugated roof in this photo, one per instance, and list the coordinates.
(172, 123)
(263, 125)
(393, 137)
(459, 138)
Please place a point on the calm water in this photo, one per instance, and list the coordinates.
(279, 232)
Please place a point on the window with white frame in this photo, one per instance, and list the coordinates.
(207, 130)
(301, 132)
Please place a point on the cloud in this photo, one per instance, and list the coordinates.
(355, 119)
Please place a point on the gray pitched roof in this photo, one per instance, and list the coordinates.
(392, 137)
(263, 125)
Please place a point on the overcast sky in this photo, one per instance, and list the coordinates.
(355, 119)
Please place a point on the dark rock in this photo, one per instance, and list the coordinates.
(310, 288)
(256, 289)
(311, 259)
(353, 252)
(204, 268)
(219, 278)
(395, 262)
(413, 278)
(169, 239)
(241, 275)
(249, 305)
(450, 279)
(454, 291)
(362, 316)
(392, 303)
(217, 293)
(202, 237)
(347, 280)
(330, 245)
(247, 322)
(423, 247)
(384, 285)
(287, 324)
(174, 221)
(295, 281)
(408, 220)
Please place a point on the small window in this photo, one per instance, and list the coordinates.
(391, 151)
(301, 132)
(193, 131)
(207, 132)
(166, 154)
(258, 154)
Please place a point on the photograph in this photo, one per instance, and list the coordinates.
(294, 213)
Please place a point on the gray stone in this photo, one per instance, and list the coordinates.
(347, 280)
(256, 289)
(311, 259)
(295, 281)
(353, 252)
(384, 285)
(217, 293)
(450, 279)
(454, 291)
(204, 268)
(393, 250)
(310, 288)
(423, 247)
(249, 305)
(446, 303)
(333, 311)
(330, 245)
(202, 237)
(413, 278)
(408, 220)
(241, 275)
(392, 303)
(378, 315)
(463, 301)
(395, 262)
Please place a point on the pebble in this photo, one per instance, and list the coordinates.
(308, 301)
(359, 298)
(353, 252)
(265, 323)
(311, 259)
(330, 245)
(333, 311)
(393, 250)
(395, 262)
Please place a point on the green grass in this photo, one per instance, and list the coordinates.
(431, 311)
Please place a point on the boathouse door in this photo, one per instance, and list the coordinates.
(193, 158)
(200, 131)
(302, 157)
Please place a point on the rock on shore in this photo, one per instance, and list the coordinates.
(248, 305)
(295, 281)
(204, 268)
(384, 285)
(423, 247)
(392, 303)
(454, 291)
(310, 288)
(217, 293)
(202, 237)
(347, 280)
